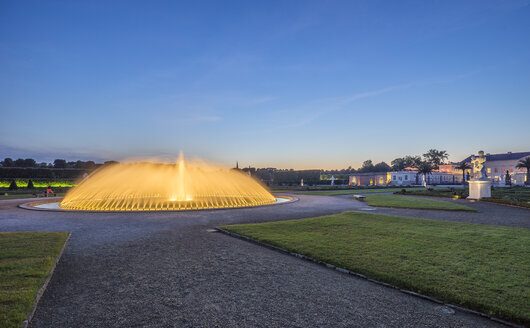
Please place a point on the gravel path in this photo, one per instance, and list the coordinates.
(166, 270)
(488, 213)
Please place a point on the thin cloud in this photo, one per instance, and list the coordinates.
(337, 104)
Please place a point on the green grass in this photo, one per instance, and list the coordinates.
(38, 183)
(352, 191)
(486, 268)
(25, 261)
(414, 202)
(517, 195)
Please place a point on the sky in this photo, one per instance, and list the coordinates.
(287, 84)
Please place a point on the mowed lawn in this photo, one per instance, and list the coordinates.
(353, 191)
(25, 261)
(485, 268)
(415, 202)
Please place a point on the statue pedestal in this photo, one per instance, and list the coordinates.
(479, 189)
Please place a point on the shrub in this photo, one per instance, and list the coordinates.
(13, 185)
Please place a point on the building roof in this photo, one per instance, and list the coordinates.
(500, 157)
(368, 173)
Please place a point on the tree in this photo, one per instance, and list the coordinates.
(525, 164)
(508, 178)
(436, 157)
(19, 162)
(368, 166)
(425, 168)
(381, 167)
(30, 162)
(30, 184)
(8, 162)
(59, 163)
(13, 185)
(412, 161)
(464, 166)
(398, 164)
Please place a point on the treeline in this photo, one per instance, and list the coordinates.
(58, 164)
(433, 158)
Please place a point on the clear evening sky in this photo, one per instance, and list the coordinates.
(302, 84)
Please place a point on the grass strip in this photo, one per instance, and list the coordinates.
(353, 191)
(415, 202)
(25, 261)
(482, 267)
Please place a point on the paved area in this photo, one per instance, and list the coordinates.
(166, 270)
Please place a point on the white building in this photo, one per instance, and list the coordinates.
(498, 164)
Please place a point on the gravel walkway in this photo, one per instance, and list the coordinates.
(166, 270)
(488, 213)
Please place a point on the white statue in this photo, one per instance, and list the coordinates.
(479, 185)
(479, 169)
(301, 182)
(332, 180)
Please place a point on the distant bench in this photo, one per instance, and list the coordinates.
(359, 197)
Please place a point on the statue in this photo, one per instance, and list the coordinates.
(479, 185)
(479, 169)
(508, 178)
(332, 180)
(301, 182)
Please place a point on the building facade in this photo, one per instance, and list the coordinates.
(498, 164)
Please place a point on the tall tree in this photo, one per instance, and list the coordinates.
(381, 167)
(368, 166)
(398, 164)
(19, 162)
(436, 157)
(8, 162)
(59, 163)
(412, 161)
(30, 162)
(464, 166)
(525, 164)
(425, 168)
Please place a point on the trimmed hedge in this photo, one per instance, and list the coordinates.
(40, 173)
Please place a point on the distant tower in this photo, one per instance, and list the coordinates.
(237, 165)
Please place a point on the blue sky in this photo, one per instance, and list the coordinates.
(302, 84)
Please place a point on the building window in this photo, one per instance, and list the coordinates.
(489, 170)
(394, 177)
(496, 170)
(511, 169)
(407, 177)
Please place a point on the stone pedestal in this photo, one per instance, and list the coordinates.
(479, 189)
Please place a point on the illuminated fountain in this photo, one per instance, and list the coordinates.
(162, 187)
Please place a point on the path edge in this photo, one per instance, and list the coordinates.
(44, 285)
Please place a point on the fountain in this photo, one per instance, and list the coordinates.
(160, 187)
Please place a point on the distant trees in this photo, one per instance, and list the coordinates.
(59, 164)
(368, 166)
(8, 162)
(436, 157)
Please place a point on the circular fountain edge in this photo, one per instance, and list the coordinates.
(53, 206)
